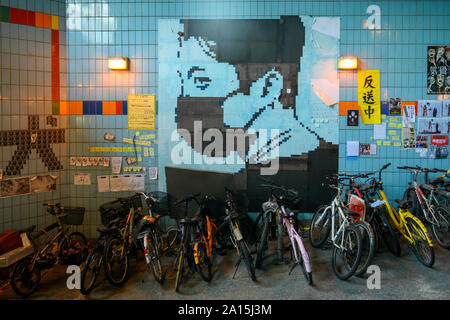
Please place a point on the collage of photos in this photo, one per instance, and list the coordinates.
(433, 119)
(438, 70)
(26, 185)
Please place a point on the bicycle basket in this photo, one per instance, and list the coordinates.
(73, 215)
(113, 210)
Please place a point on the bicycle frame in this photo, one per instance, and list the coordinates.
(294, 236)
(399, 219)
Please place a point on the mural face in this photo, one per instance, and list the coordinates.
(274, 79)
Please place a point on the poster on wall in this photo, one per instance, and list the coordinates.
(395, 106)
(409, 115)
(82, 179)
(429, 108)
(366, 149)
(438, 70)
(408, 138)
(352, 118)
(44, 183)
(446, 108)
(422, 142)
(432, 126)
(103, 183)
(141, 112)
(369, 96)
(439, 139)
(14, 187)
(438, 152)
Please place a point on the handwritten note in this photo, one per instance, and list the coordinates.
(141, 112)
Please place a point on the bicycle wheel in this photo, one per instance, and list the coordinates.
(301, 262)
(116, 261)
(441, 232)
(202, 263)
(350, 252)
(320, 227)
(262, 243)
(387, 233)
(422, 250)
(154, 263)
(25, 277)
(91, 269)
(245, 255)
(180, 271)
(368, 246)
(173, 237)
(73, 248)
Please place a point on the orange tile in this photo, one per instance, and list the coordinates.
(47, 21)
(63, 107)
(78, 107)
(39, 20)
(346, 105)
(109, 107)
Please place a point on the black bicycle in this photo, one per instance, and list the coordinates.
(235, 235)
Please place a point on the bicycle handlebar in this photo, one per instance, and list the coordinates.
(188, 198)
(291, 191)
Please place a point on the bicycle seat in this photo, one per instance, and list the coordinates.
(403, 204)
(148, 219)
(350, 212)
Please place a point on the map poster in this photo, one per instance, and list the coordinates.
(141, 112)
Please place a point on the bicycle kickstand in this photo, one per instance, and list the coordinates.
(292, 268)
(238, 263)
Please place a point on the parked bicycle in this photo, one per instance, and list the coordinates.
(62, 248)
(196, 243)
(277, 208)
(426, 206)
(345, 235)
(235, 235)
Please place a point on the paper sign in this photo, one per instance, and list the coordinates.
(153, 173)
(82, 178)
(379, 131)
(369, 96)
(386, 143)
(439, 139)
(392, 125)
(148, 136)
(352, 148)
(114, 149)
(397, 144)
(392, 132)
(103, 183)
(116, 164)
(138, 182)
(141, 112)
(395, 138)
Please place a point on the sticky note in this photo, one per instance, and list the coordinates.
(396, 138)
(379, 142)
(386, 143)
(397, 144)
(392, 132)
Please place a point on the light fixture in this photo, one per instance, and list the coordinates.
(347, 63)
(118, 63)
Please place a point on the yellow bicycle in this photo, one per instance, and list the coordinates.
(406, 223)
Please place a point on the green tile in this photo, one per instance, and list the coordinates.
(55, 107)
(4, 14)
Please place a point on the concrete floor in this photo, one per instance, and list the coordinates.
(401, 278)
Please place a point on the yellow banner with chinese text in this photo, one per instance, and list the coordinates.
(369, 96)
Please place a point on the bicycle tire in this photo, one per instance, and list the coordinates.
(387, 233)
(203, 260)
(122, 277)
(180, 266)
(245, 255)
(419, 232)
(97, 253)
(444, 213)
(19, 270)
(155, 261)
(301, 262)
(356, 259)
(70, 244)
(368, 247)
(262, 243)
(314, 228)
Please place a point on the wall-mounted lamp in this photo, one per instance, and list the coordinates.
(118, 63)
(347, 63)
